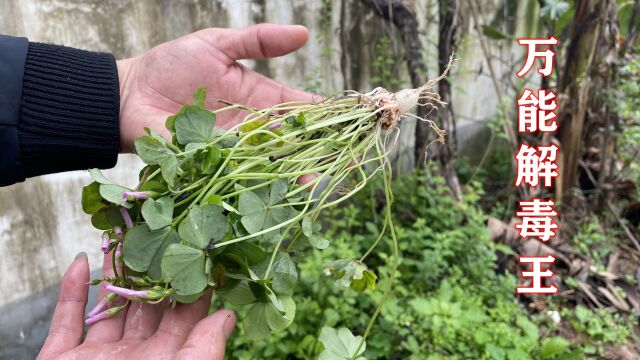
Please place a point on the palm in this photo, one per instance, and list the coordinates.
(156, 84)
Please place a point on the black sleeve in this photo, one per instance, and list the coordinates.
(68, 113)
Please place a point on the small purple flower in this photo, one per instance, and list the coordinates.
(274, 126)
(119, 232)
(105, 243)
(127, 218)
(127, 293)
(135, 195)
(102, 305)
(105, 314)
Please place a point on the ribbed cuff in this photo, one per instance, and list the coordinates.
(69, 117)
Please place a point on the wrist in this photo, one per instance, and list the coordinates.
(124, 80)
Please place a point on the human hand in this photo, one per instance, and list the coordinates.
(157, 83)
(141, 331)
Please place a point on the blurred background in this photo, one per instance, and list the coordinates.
(464, 267)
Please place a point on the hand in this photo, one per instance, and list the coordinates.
(157, 84)
(142, 331)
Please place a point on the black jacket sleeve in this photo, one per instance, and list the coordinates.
(59, 109)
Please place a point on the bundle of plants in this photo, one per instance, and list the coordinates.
(224, 210)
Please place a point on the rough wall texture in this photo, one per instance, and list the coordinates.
(42, 226)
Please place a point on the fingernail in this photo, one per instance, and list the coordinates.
(229, 323)
(80, 255)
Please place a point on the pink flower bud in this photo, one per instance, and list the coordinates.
(105, 314)
(127, 218)
(102, 305)
(105, 243)
(274, 126)
(135, 195)
(127, 293)
(119, 232)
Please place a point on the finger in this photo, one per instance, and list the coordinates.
(176, 324)
(209, 337)
(109, 329)
(258, 41)
(142, 320)
(66, 328)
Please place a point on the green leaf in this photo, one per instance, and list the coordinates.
(188, 299)
(155, 186)
(368, 281)
(249, 253)
(109, 190)
(310, 230)
(199, 96)
(107, 217)
(263, 318)
(169, 169)
(296, 121)
(113, 194)
(91, 200)
(211, 159)
(203, 226)
(340, 344)
(255, 323)
(183, 267)
(155, 268)
(351, 273)
(256, 207)
(284, 272)
(278, 320)
(195, 125)
(151, 150)
(553, 346)
(238, 295)
(142, 244)
(158, 213)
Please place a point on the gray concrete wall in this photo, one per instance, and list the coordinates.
(42, 226)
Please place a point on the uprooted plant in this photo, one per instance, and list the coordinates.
(223, 209)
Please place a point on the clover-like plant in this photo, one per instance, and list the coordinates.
(224, 209)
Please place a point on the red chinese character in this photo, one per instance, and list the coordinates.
(535, 163)
(533, 53)
(537, 219)
(537, 113)
(536, 275)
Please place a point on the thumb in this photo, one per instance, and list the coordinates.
(208, 338)
(259, 41)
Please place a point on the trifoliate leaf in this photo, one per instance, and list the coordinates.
(151, 150)
(194, 125)
(107, 217)
(158, 213)
(183, 267)
(312, 232)
(258, 208)
(203, 225)
(351, 273)
(340, 344)
(142, 244)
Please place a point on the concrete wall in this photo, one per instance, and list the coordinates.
(42, 226)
